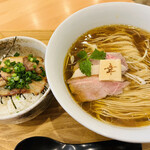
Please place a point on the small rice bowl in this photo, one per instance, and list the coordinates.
(22, 107)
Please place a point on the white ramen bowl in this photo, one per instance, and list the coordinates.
(62, 39)
(42, 102)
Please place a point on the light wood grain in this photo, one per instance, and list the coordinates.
(39, 14)
(54, 122)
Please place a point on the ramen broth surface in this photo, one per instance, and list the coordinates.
(138, 36)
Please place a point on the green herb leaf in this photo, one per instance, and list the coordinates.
(16, 54)
(85, 63)
(82, 54)
(98, 55)
(85, 67)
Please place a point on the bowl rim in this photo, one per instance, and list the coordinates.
(72, 114)
(14, 115)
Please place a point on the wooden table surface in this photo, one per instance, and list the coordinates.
(39, 14)
(38, 19)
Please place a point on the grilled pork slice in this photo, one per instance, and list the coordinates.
(90, 88)
(16, 59)
(6, 92)
(5, 75)
(36, 87)
(30, 65)
(2, 82)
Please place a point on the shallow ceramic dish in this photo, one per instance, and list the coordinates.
(9, 46)
(62, 39)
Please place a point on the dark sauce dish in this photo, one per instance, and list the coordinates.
(45, 143)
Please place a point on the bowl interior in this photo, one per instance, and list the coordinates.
(62, 39)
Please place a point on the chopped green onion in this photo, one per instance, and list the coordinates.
(34, 66)
(33, 71)
(8, 70)
(16, 78)
(34, 59)
(3, 69)
(37, 62)
(19, 68)
(28, 79)
(16, 54)
(14, 75)
(7, 62)
(30, 55)
(38, 78)
(19, 86)
(28, 74)
(13, 63)
(31, 59)
(17, 97)
(43, 72)
(27, 86)
(21, 81)
(9, 78)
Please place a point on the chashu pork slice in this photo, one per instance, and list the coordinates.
(6, 92)
(2, 82)
(16, 59)
(90, 88)
(30, 65)
(5, 75)
(36, 87)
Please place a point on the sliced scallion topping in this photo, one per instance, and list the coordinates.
(20, 78)
(16, 54)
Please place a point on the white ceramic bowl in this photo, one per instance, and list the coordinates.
(62, 39)
(41, 104)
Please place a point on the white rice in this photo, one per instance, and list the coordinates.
(20, 102)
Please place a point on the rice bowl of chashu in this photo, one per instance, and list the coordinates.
(23, 85)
